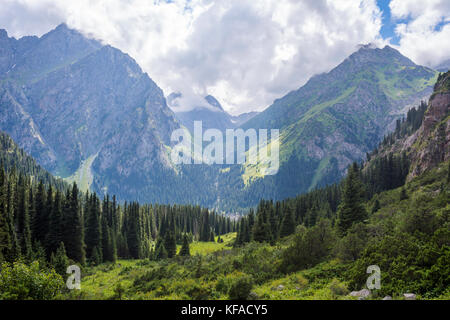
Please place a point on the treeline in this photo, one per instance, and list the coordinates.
(41, 222)
(404, 127)
(11, 156)
(275, 220)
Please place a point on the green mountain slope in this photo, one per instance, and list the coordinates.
(337, 117)
(12, 157)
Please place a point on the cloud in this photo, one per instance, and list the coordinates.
(424, 36)
(244, 52)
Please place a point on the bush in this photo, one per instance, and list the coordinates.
(338, 288)
(310, 247)
(21, 282)
(241, 288)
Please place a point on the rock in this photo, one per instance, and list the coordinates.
(364, 293)
(409, 296)
(253, 296)
(387, 298)
(280, 287)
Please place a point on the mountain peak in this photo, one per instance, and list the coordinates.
(371, 54)
(62, 26)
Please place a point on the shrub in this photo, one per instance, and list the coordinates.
(22, 282)
(241, 288)
(338, 288)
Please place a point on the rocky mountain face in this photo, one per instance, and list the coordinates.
(433, 138)
(335, 118)
(430, 145)
(66, 99)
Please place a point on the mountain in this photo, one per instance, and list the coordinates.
(210, 112)
(335, 119)
(428, 146)
(12, 157)
(88, 113)
(243, 118)
(87, 110)
(443, 66)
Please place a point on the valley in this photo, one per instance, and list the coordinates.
(87, 179)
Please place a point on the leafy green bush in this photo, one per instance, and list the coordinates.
(241, 288)
(22, 282)
(309, 248)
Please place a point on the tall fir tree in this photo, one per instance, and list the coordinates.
(184, 251)
(351, 209)
(288, 223)
(73, 227)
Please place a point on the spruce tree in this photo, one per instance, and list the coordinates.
(351, 209)
(261, 230)
(5, 240)
(93, 236)
(184, 251)
(59, 260)
(170, 244)
(160, 250)
(40, 219)
(73, 227)
(25, 225)
(55, 235)
(288, 224)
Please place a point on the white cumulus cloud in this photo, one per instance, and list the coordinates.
(244, 52)
(424, 37)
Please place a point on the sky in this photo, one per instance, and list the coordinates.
(246, 53)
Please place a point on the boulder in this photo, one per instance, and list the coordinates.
(280, 287)
(364, 293)
(253, 296)
(409, 296)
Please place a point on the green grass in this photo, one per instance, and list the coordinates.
(100, 282)
(214, 267)
(204, 248)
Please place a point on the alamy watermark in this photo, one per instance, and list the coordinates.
(374, 280)
(239, 147)
(74, 280)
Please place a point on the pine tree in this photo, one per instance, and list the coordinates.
(261, 230)
(205, 234)
(108, 244)
(5, 240)
(133, 231)
(59, 260)
(55, 235)
(40, 220)
(288, 224)
(184, 251)
(93, 236)
(170, 244)
(352, 209)
(73, 227)
(160, 250)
